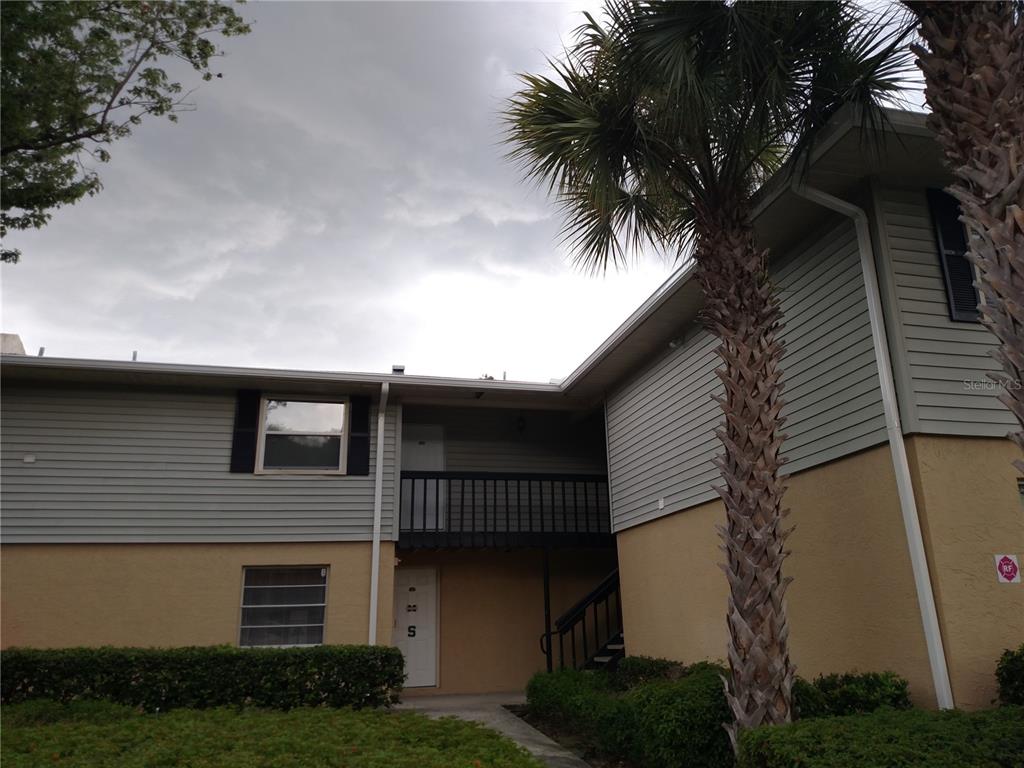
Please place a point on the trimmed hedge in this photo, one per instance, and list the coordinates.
(165, 678)
(637, 670)
(891, 739)
(808, 700)
(661, 724)
(856, 693)
(585, 703)
(662, 714)
(1010, 677)
(680, 724)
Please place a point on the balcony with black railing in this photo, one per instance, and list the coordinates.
(502, 509)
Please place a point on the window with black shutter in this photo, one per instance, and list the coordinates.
(957, 271)
(277, 435)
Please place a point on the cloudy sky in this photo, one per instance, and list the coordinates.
(339, 200)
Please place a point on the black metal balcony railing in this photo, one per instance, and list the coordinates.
(502, 509)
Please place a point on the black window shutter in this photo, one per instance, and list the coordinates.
(358, 435)
(957, 271)
(247, 423)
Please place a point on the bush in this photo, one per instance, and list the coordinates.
(664, 723)
(854, 693)
(584, 703)
(889, 738)
(680, 724)
(637, 670)
(159, 679)
(558, 695)
(808, 700)
(1010, 676)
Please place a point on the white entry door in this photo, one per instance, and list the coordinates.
(415, 632)
(423, 447)
(424, 500)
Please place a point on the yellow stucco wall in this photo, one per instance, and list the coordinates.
(970, 509)
(171, 594)
(492, 611)
(852, 605)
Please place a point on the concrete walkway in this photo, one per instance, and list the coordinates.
(488, 709)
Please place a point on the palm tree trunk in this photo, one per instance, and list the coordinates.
(974, 76)
(743, 312)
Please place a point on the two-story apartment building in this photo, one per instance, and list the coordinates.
(491, 528)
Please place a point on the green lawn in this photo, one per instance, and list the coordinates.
(98, 735)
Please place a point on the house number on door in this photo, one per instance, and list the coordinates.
(412, 630)
(411, 608)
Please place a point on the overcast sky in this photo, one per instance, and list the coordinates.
(338, 201)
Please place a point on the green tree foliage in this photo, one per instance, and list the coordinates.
(76, 77)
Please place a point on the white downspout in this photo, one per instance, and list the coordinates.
(904, 486)
(378, 505)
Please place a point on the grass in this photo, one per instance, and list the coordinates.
(102, 735)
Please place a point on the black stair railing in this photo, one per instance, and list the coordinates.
(583, 631)
(483, 509)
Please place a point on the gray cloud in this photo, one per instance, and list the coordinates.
(338, 200)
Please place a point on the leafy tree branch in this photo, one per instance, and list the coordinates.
(78, 76)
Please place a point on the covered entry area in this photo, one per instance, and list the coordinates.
(490, 612)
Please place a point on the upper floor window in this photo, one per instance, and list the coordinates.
(957, 271)
(302, 436)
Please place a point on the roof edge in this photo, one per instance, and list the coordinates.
(323, 377)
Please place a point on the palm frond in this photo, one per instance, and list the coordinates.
(663, 109)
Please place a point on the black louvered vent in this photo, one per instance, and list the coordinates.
(957, 271)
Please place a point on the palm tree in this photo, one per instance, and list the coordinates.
(656, 129)
(974, 83)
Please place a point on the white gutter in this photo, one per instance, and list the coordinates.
(241, 376)
(904, 486)
(378, 505)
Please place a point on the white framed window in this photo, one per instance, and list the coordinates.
(302, 436)
(283, 606)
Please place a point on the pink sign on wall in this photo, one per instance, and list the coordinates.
(1007, 569)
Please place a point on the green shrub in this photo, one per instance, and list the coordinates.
(584, 702)
(560, 695)
(808, 700)
(637, 670)
(891, 739)
(853, 693)
(160, 679)
(679, 724)
(1010, 676)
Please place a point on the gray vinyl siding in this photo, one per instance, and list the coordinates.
(513, 440)
(147, 466)
(943, 357)
(661, 422)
